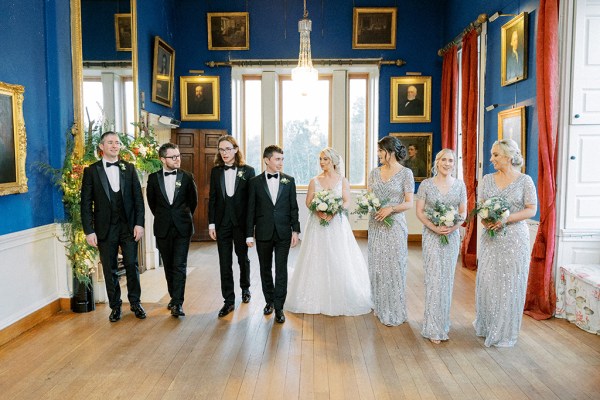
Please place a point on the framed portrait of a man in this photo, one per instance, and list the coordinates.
(13, 140)
(199, 98)
(410, 99)
(374, 28)
(511, 125)
(123, 31)
(514, 50)
(162, 76)
(228, 31)
(418, 153)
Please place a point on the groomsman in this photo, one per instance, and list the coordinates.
(273, 218)
(112, 214)
(227, 204)
(173, 197)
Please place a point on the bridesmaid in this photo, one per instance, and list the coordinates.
(504, 260)
(439, 260)
(388, 250)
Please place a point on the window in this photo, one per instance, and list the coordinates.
(93, 99)
(251, 140)
(358, 130)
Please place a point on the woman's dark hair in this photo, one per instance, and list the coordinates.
(393, 145)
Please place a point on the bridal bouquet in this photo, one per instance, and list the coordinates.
(492, 210)
(367, 203)
(326, 202)
(443, 214)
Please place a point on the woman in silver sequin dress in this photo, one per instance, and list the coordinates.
(504, 259)
(388, 250)
(439, 260)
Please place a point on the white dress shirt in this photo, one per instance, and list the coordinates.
(113, 175)
(230, 181)
(170, 185)
(273, 184)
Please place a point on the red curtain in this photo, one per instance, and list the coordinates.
(449, 97)
(470, 90)
(541, 297)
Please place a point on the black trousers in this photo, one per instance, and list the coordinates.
(228, 239)
(173, 250)
(119, 235)
(274, 292)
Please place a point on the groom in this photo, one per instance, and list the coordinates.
(273, 218)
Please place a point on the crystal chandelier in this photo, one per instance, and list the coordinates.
(304, 74)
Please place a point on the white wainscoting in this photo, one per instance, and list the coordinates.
(33, 272)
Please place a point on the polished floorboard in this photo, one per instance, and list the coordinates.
(248, 356)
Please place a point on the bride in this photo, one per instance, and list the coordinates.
(330, 275)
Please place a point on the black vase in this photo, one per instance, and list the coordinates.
(83, 297)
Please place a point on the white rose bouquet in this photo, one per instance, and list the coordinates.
(443, 215)
(326, 202)
(367, 203)
(492, 210)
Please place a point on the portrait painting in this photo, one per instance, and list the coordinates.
(418, 153)
(13, 141)
(162, 76)
(514, 50)
(123, 31)
(199, 98)
(410, 99)
(511, 125)
(228, 31)
(374, 28)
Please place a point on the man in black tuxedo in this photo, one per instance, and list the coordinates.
(112, 214)
(227, 205)
(273, 218)
(172, 198)
(412, 105)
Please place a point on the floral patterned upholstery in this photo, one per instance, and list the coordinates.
(578, 297)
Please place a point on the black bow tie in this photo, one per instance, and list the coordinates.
(269, 176)
(110, 164)
(226, 167)
(171, 173)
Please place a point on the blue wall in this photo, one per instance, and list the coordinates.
(98, 39)
(37, 55)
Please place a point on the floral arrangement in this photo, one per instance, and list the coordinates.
(367, 203)
(142, 151)
(492, 210)
(326, 202)
(443, 214)
(284, 181)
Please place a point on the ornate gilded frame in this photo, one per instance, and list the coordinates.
(398, 94)
(374, 28)
(162, 75)
(218, 39)
(519, 25)
(123, 21)
(424, 143)
(512, 125)
(211, 87)
(13, 139)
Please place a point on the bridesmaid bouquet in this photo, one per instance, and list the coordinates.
(326, 202)
(367, 203)
(443, 214)
(492, 210)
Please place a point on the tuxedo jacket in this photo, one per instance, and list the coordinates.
(180, 213)
(264, 217)
(95, 198)
(411, 107)
(217, 194)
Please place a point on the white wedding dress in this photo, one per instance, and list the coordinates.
(330, 276)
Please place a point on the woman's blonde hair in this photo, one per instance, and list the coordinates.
(510, 148)
(438, 156)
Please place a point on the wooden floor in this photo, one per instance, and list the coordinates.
(248, 356)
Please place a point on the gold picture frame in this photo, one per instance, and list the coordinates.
(228, 31)
(419, 149)
(13, 140)
(200, 98)
(513, 49)
(374, 28)
(123, 32)
(162, 75)
(512, 125)
(410, 99)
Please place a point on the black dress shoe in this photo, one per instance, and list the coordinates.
(279, 316)
(246, 295)
(177, 311)
(170, 305)
(115, 314)
(268, 309)
(226, 309)
(138, 310)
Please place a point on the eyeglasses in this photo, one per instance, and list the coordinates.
(174, 157)
(226, 150)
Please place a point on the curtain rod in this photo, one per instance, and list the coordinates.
(473, 25)
(107, 64)
(317, 61)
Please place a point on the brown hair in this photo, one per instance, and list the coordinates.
(239, 160)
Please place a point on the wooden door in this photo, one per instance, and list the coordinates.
(198, 148)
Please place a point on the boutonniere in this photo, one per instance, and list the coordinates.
(284, 181)
(178, 184)
(240, 175)
(122, 166)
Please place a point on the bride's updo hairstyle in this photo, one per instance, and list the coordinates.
(510, 148)
(336, 159)
(438, 156)
(393, 145)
